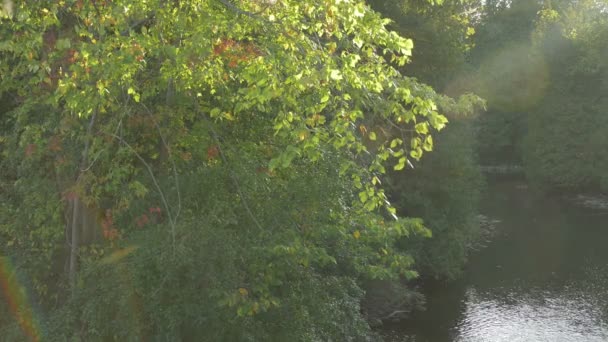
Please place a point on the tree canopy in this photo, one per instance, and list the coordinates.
(211, 166)
(545, 89)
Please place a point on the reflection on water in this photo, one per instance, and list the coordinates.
(531, 316)
(545, 278)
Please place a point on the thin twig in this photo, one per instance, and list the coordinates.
(176, 179)
(235, 180)
(100, 151)
(158, 188)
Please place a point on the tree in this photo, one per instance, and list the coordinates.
(540, 70)
(567, 130)
(214, 166)
(509, 76)
(443, 33)
(444, 187)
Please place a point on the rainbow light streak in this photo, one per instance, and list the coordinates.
(16, 298)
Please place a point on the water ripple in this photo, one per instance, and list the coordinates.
(533, 316)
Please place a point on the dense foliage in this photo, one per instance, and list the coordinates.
(444, 188)
(568, 131)
(508, 76)
(212, 169)
(443, 35)
(545, 85)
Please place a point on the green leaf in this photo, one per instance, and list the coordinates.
(401, 165)
(396, 142)
(363, 196)
(416, 154)
(370, 205)
(422, 128)
(415, 142)
(138, 189)
(428, 143)
(135, 94)
(335, 75)
(215, 112)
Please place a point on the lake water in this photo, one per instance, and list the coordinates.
(544, 277)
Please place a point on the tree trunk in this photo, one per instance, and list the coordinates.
(76, 210)
(75, 242)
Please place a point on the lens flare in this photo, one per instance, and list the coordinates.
(15, 297)
(514, 79)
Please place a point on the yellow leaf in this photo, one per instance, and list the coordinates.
(243, 291)
(363, 129)
(357, 234)
(118, 255)
(228, 116)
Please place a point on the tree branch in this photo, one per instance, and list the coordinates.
(158, 188)
(175, 177)
(233, 177)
